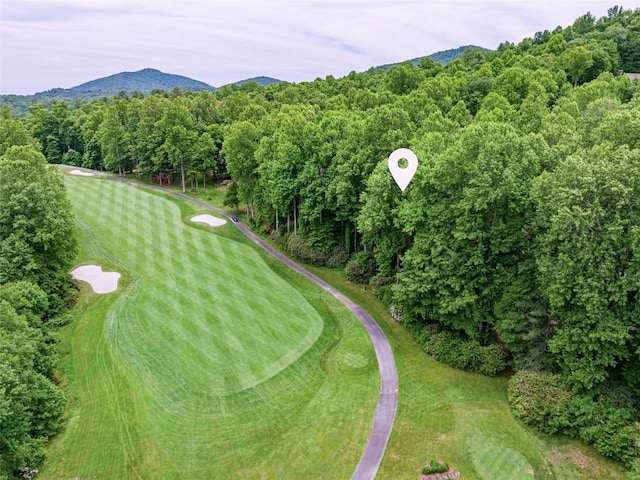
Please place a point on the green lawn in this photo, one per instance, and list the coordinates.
(150, 401)
(211, 361)
(464, 419)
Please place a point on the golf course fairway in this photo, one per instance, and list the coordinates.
(211, 360)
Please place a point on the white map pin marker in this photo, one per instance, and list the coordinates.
(403, 176)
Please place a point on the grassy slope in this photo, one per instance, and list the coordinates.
(459, 417)
(464, 419)
(212, 361)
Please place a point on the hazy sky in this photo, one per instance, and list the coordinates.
(63, 43)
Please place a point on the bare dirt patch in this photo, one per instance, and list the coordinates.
(572, 455)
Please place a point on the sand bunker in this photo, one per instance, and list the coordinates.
(209, 220)
(101, 282)
(81, 173)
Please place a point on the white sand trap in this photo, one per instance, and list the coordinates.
(81, 173)
(101, 282)
(209, 220)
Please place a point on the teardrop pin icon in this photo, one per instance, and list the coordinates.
(403, 176)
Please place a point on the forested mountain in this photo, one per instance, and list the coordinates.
(149, 79)
(262, 81)
(514, 247)
(125, 83)
(446, 56)
(144, 81)
(443, 57)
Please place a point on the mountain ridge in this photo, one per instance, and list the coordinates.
(443, 57)
(149, 79)
(145, 80)
(261, 80)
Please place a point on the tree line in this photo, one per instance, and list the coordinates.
(37, 249)
(513, 247)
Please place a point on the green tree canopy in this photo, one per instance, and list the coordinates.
(37, 230)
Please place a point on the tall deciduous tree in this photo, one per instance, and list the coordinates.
(470, 226)
(206, 157)
(576, 61)
(378, 221)
(31, 405)
(37, 248)
(55, 129)
(113, 141)
(177, 129)
(240, 144)
(37, 230)
(13, 132)
(588, 260)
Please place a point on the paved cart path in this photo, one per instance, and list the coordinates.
(388, 401)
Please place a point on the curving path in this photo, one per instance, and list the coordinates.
(388, 402)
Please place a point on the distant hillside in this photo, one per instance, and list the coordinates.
(442, 57)
(450, 55)
(262, 81)
(144, 81)
(150, 79)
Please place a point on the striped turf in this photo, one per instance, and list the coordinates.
(211, 361)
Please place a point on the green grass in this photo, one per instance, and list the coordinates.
(213, 194)
(464, 419)
(211, 361)
(444, 414)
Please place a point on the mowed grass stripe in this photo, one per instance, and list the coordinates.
(502, 463)
(213, 359)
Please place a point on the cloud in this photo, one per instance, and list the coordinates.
(62, 43)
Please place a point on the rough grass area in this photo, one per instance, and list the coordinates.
(211, 361)
(464, 419)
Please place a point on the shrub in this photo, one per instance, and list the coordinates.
(337, 258)
(614, 440)
(231, 198)
(538, 399)
(72, 157)
(276, 237)
(610, 429)
(493, 360)
(634, 473)
(381, 287)
(459, 352)
(435, 467)
(361, 267)
(304, 252)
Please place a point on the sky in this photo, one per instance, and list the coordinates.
(48, 44)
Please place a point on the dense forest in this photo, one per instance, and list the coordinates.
(145, 81)
(37, 249)
(514, 247)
